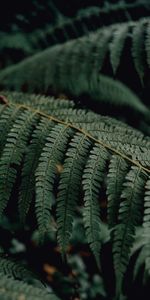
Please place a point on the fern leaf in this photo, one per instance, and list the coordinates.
(138, 49)
(51, 155)
(7, 118)
(69, 187)
(143, 259)
(117, 45)
(130, 213)
(147, 44)
(48, 105)
(107, 90)
(13, 153)
(78, 50)
(100, 49)
(146, 219)
(28, 44)
(111, 131)
(98, 125)
(92, 179)
(117, 172)
(98, 43)
(61, 146)
(33, 152)
(11, 289)
(144, 255)
(86, 21)
(55, 76)
(18, 271)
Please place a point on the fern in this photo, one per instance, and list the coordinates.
(29, 167)
(45, 104)
(91, 57)
(118, 168)
(69, 187)
(11, 289)
(144, 256)
(114, 132)
(51, 155)
(147, 45)
(92, 178)
(117, 46)
(80, 154)
(19, 44)
(138, 50)
(81, 80)
(7, 119)
(18, 271)
(99, 126)
(58, 159)
(129, 218)
(12, 154)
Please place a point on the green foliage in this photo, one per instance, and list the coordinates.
(17, 44)
(59, 160)
(129, 216)
(11, 289)
(84, 159)
(137, 32)
(16, 270)
(55, 75)
(69, 187)
(58, 71)
(92, 179)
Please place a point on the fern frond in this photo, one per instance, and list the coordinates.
(19, 44)
(144, 255)
(125, 142)
(99, 126)
(118, 169)
(11, 289)
(90, 63)
(117, 46)
(112, 131)
(8, 116)
(13, 153)
(92, 51)
(69, 187)
(147, 45)
(46, 104)
(16, 270)
(51, 155)
(127, 139)
(143, 260)
(27, 187)
(79, 153)
(114, 92)
(138, 49)
(82, 80)
(57, 160)
(130, 215)
(92, 179)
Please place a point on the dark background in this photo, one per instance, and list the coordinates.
(38, 12)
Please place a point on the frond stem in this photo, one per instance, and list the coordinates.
(136, 163)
